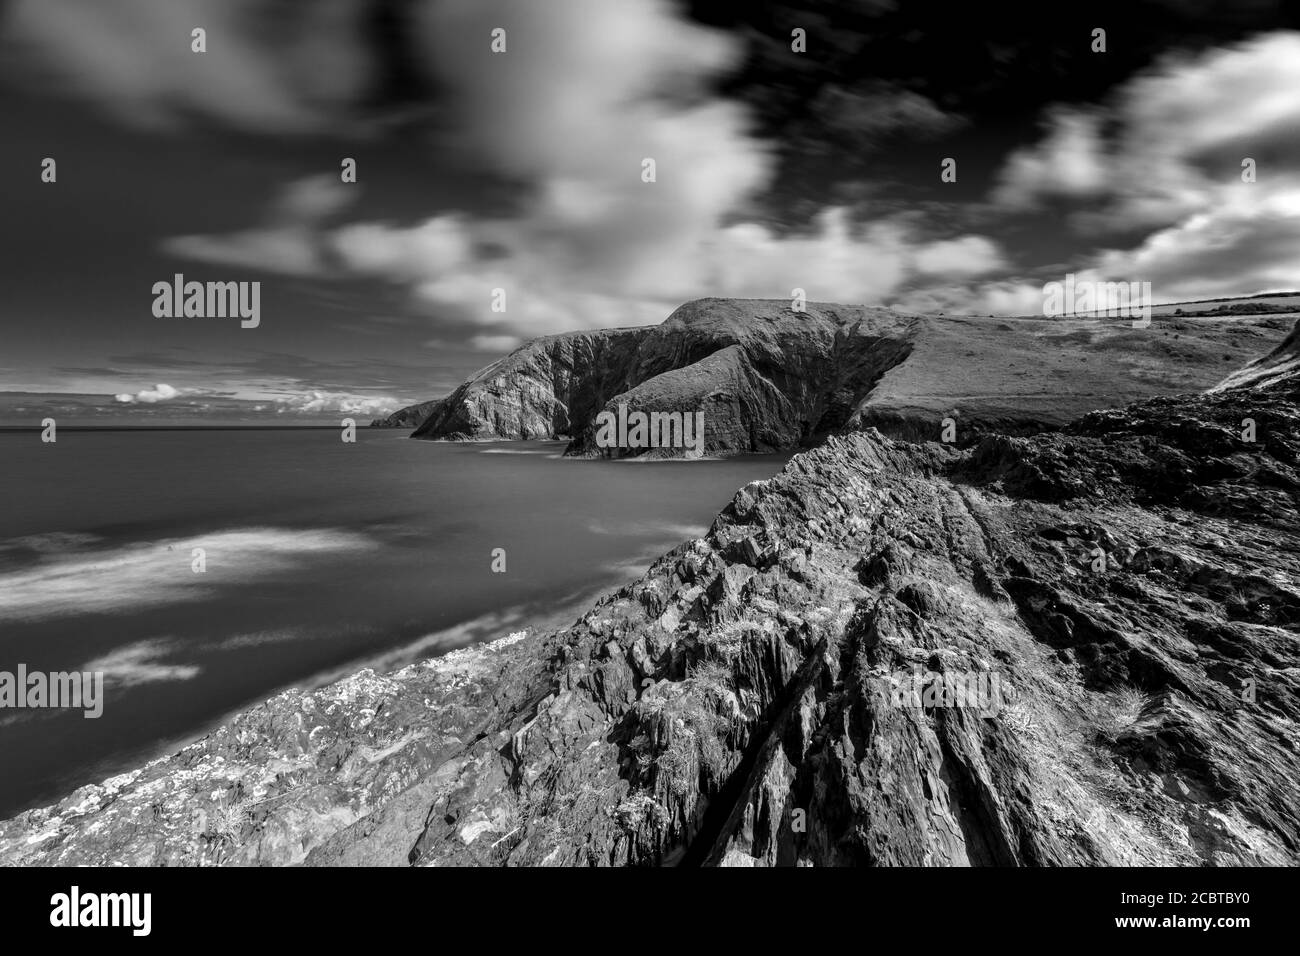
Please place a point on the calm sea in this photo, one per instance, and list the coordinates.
(320, 558)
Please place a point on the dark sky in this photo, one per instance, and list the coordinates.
(522, 171)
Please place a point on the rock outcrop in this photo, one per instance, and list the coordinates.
(541, 390)
(1076, 648)
(410, 417)
(768, 378)
(1277, 367)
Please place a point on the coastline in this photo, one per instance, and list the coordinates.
(686, 716)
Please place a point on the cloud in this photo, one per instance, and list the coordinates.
(1069, 161)
(149, 396)
(589, 89)
(1218, 253)
(1164, 158)
(1011, 296)
(964, 256)
(318, 401)
(835, 261)
(289, 242)
(140, 663)
(1178, 134)
(271, 68)
(585, 93)
(439, 245)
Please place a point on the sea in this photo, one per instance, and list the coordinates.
(203, 571)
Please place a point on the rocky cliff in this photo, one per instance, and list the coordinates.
(410, 417)
(796, 686)
(768, 378)
(542, 390)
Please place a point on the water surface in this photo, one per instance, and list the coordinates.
(321, 557)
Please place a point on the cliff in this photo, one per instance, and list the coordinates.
(410, 417)
(768, 378)
(1132, 581)
(541, 390)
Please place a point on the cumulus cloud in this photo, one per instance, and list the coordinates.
(318, 401)
(834, 261)
(291, 400)
(440, 245)
(964, 256)
(1172, 167)
(1069, 161)
(588, 89)
(586, 92)
(1179, 133)
(1217, 253)
(149, 396)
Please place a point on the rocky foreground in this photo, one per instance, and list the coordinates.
(1133, 581)
(767, 378)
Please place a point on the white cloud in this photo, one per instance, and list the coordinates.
(439, 245)
(589, 88)
(1180, 131)
(1254, 248)
(586, 91)
(149, 396)
(318, 401)
(964, 256)
(1172, 168)
(140, 663)
(836, 262)
(1068, 162)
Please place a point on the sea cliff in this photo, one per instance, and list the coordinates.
(1132, 579)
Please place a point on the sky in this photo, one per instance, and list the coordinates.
(481, 169)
